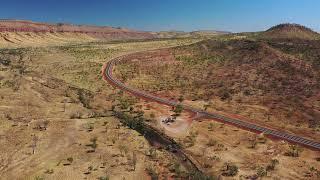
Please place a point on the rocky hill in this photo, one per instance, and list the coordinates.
(183, 34)
(16, 33)
(295, 31)
(272, 80)
(94, 31)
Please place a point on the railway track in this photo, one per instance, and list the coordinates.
(107, 75)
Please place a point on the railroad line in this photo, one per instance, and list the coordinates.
(107, 75)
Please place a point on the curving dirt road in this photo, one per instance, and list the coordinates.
(107, 75)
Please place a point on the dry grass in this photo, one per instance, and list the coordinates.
(238, 77)
(244, 77)
(30, 39)
(53, 101)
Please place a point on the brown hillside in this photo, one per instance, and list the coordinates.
(17, 33)
(100, 32)
(295, 31)
(244, 77)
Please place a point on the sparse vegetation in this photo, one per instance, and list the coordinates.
(294, 151)
(49, 171)
(134, 160)
(261, 172)
(211, 142)
(93, 144)
(152, 173)
(70, 159)
(222, 74)
(103, 178)
(190, 140)
(75, 115)
(39, 178)
(230, 170)
(210, 127)
(272, 165)
(177, 110)
(123, 149)
(250, 64)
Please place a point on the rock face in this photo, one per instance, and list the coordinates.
(100, 32)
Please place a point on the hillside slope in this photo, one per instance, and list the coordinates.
(291, 31)
(263, 80)
(15, 33)
(182, 34)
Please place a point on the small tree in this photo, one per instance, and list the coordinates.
(94, 144)
(178, 109)
(294, 151)
(35, 140)
(261, 138)
(134, 160)
(253, 142)
(268, 114)
(103, 178)
(123, 149)
(261, 172)
(70, 159)
(210, 127)
(140, 114)
(211, 142)
(124, 104)
(113, 107)
(180, 99)
(152, 115)
(206, 106)
(45, 124)
(230, 170)
(64, 104)
(272, 165)
(151, 171)
(152, 152)
(39, 178)
(131, 109)
(177, 169)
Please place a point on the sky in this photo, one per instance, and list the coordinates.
(160, 15)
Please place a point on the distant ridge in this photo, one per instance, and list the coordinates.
(288, 30)
(100, 32)
(24, 33)
(181, 34)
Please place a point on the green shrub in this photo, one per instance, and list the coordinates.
(261, 172)
(154, 175)
(230, 170)
(178, 109)
(294, 151)
(210, 127)
(70, 159)
(272, 165)
(212, 142)
(103, 178)
(49, 171)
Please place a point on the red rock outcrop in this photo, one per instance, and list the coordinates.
(100, 32)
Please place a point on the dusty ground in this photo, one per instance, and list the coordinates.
(66, 136)
(30, 39)
(163, 73)
(233, 145)
(212, 144)
(53, 103)
(22, 33)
